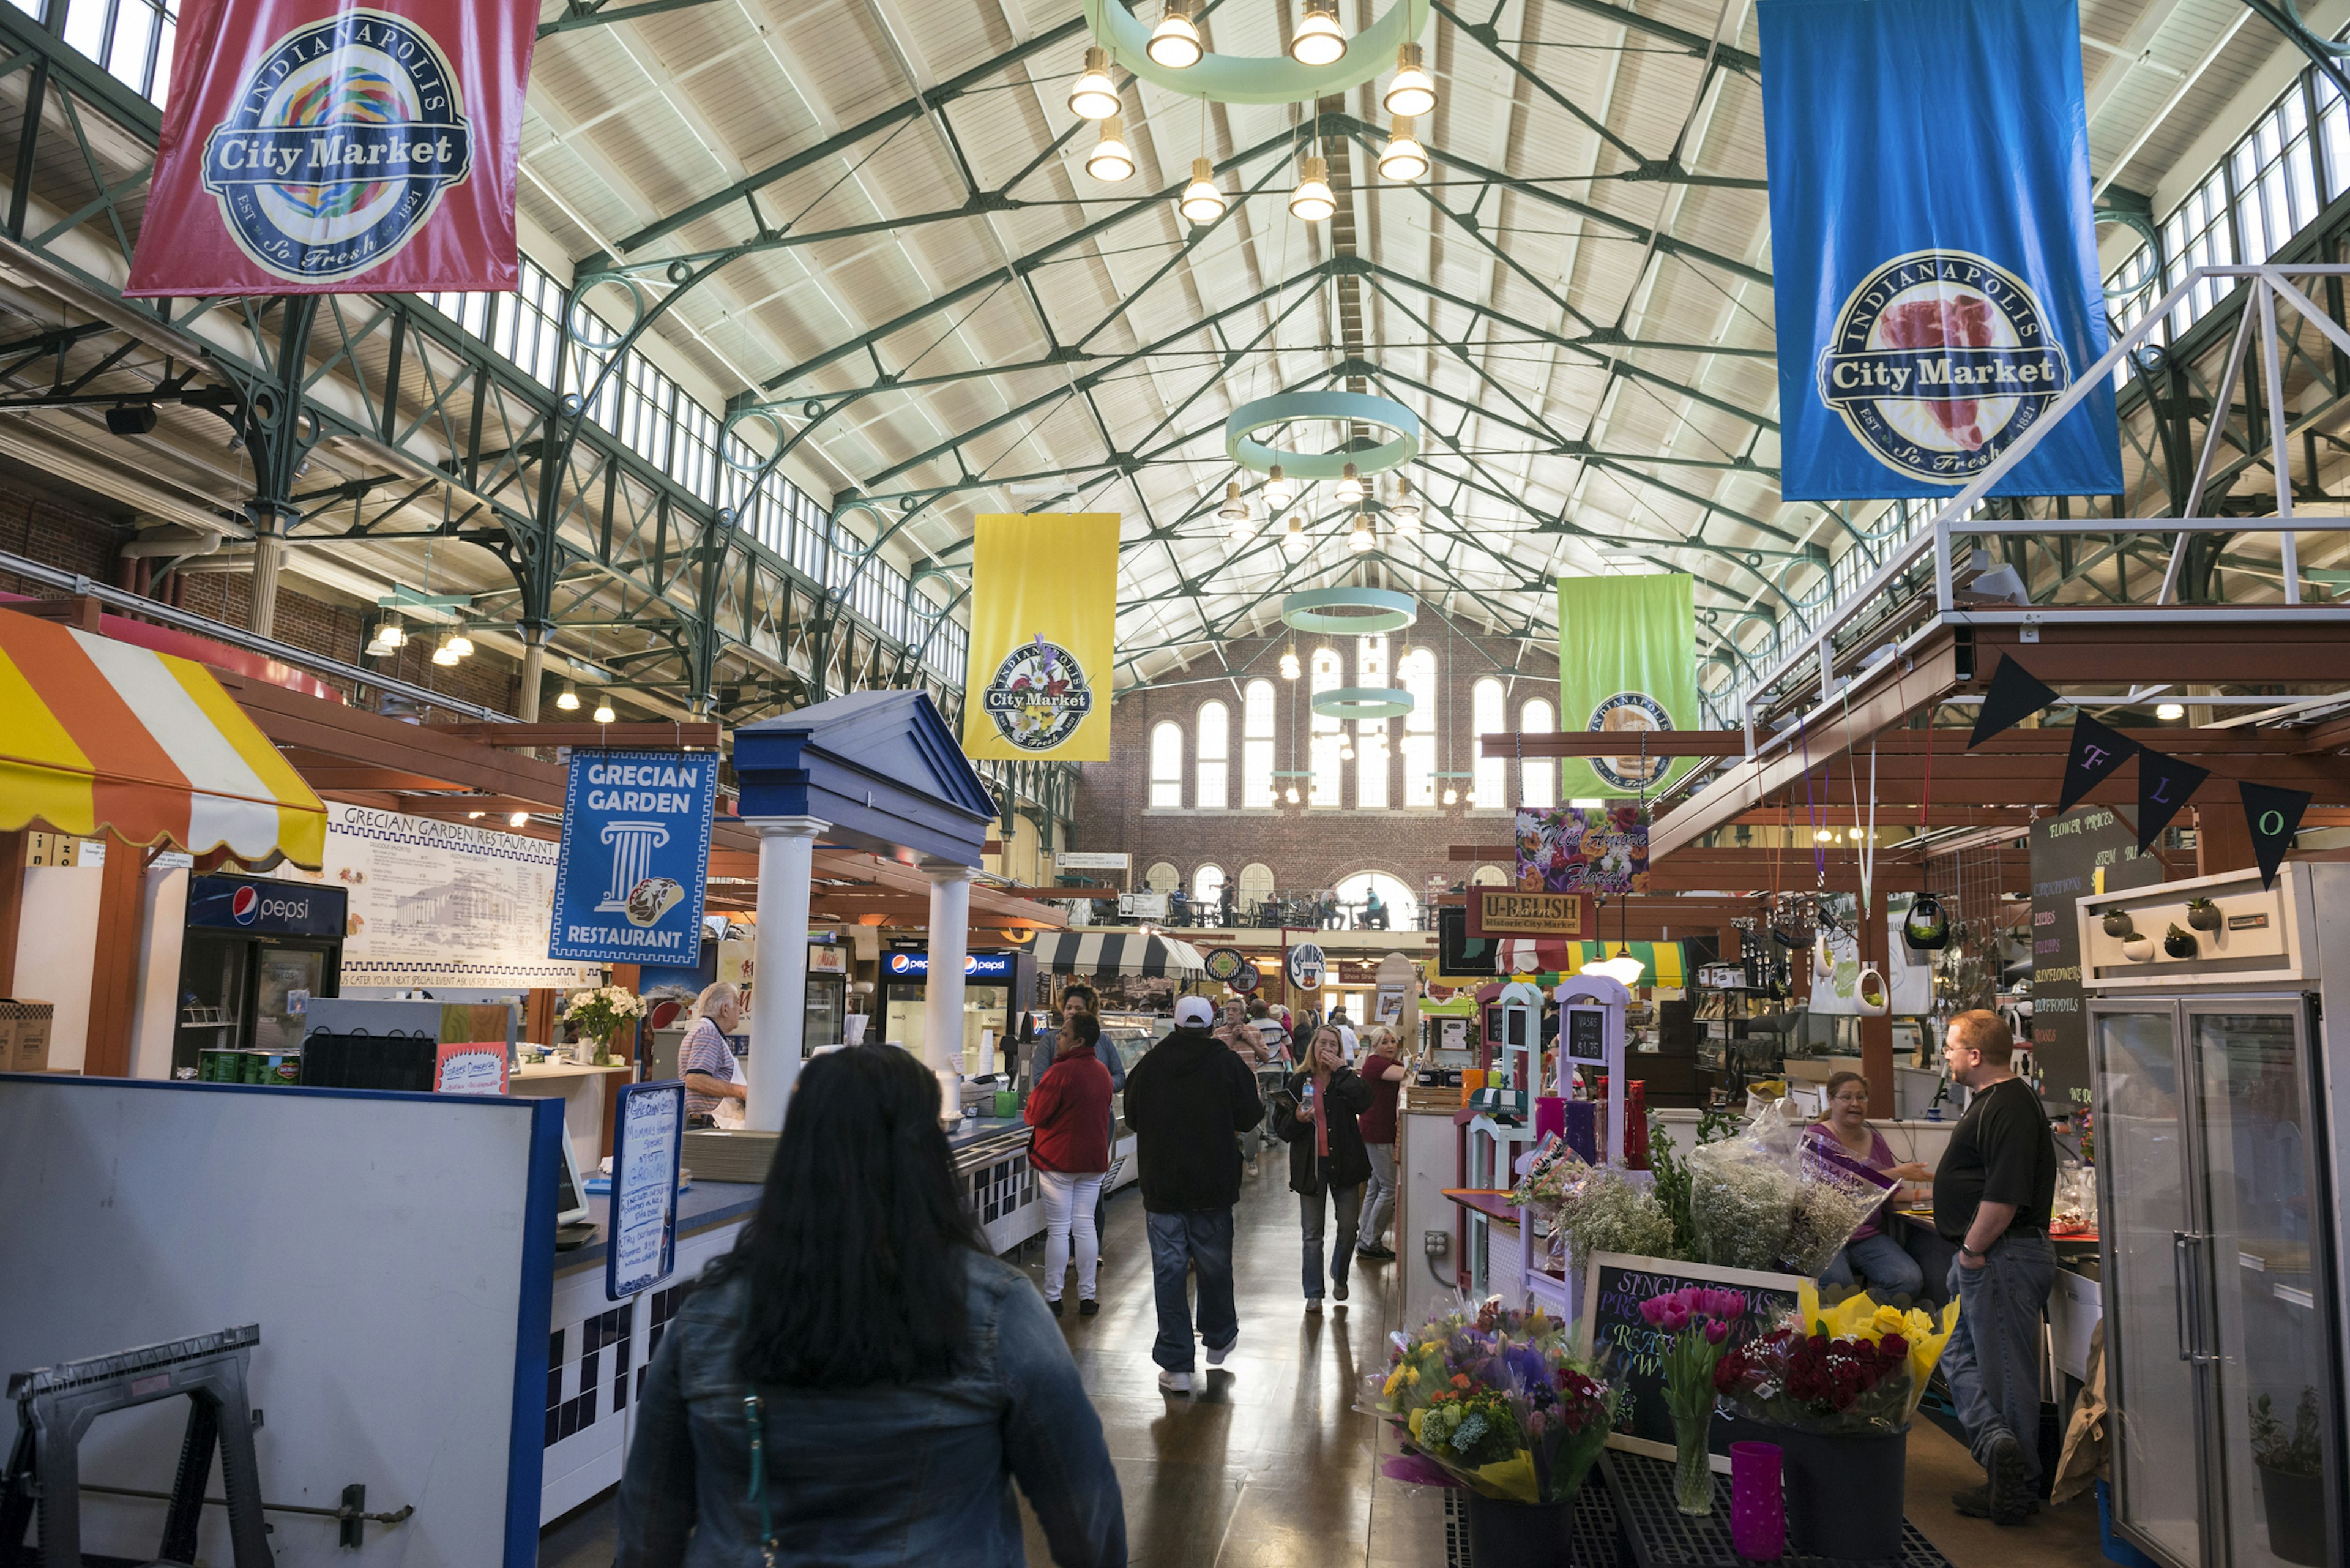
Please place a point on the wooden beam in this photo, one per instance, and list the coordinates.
(356, 738)
(1945, 741)
(661, 736)
(1511, 744)
(114, 971)
(2171, 644)
(13, 847)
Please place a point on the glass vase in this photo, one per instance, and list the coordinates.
(1692, 1469)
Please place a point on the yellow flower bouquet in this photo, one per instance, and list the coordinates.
(1857, 1316)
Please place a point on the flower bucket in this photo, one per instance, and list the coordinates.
(1844, 1494)
(1520, 1534)
(2295, 1505)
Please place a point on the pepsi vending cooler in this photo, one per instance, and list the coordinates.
(254, 953)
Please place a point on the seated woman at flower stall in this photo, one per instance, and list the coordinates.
(1871, 1253)
(858, 1381)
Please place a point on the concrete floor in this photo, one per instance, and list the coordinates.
(1269, 1464)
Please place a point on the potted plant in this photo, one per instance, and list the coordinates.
(600, 1013)
(2117, 923)
(2137, 948)
(1499, 1403)
(2203, 914)
(1700, 1320)
(1836, 1388)
(2293, 1489)
(2179, 943)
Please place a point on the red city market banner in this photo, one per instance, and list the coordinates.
(310, 148)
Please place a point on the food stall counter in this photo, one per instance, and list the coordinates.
(990, 1156)
(702, 1206)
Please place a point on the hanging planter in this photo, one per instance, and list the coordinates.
(2138, 949)
(1873, 996)
(2203, 914)
(1926, 929)
(2117, 923)
(2179, 943)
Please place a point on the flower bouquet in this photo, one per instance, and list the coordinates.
(1700, 1320)
(600, 1013)
(1772, 1198)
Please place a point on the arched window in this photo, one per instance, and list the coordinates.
(1489, 876)
(1371, 766)
(1256, 744)
(1257, 887)
(1416, 674)
(1166, 765)
(1215, 763)
(1537, 776)
(1162, 878)
(1487, 706)
(1328, 731)
(1398, 908)
(1207, 887)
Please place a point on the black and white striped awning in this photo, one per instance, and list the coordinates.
(1118, 952)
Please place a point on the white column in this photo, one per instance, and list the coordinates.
(950, 945)
(779, 966)
(268, 559)
(534, 672)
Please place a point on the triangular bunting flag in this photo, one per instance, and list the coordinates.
(2164, 784)
(2096, 752)
(2274, 815)
(2015, 695)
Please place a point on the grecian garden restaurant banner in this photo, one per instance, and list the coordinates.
(1044, 623)
(315, 148)
(1933, 258)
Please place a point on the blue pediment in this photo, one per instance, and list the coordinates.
(882, 767)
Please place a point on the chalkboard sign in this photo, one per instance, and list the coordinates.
(1586, 1035)
(1612, 1294)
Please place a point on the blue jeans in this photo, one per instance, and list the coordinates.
(1992, 1360)
(1200, 1239)
(1883, 1261)
(1348, 1202)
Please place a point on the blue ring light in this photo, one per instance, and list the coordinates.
(1350, 612)
(1255, 78)
(1363, 702)
(1360, 408)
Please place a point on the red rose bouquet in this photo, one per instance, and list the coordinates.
(1812, 1383)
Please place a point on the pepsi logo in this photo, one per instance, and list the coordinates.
(245, 906)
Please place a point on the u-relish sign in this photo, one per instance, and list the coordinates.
(311, 147)
(1497, 912)
(636, 855)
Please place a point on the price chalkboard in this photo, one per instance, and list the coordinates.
(1586, 1035)
(1616, 1286)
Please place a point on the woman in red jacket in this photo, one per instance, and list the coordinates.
(1069, 1108)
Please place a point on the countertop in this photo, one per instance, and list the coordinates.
(976, 1130)
(699, 1207)
(567, 1070)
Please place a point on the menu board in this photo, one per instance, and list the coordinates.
(1616, 1285)
(2089, 849)
(640, 1229)
(444, 903)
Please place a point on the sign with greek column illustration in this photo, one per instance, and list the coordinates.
(636, 855)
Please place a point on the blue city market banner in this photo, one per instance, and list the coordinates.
(636, 857)
(1932, 251)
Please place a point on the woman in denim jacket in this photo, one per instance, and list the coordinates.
(858, 1381)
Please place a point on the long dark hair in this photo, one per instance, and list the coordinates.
(857, 1256)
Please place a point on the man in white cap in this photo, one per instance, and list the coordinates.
(1187, 1100)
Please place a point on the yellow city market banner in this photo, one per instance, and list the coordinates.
(1043, 622)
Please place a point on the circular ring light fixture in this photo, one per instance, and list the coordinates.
(1363, 702)
(1360, 408)
(1350, 612)
(1250, 78)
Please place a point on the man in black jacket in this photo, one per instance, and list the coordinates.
(1187, 1100)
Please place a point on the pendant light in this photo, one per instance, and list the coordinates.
(1292, 539)
(1346, 749)
(445, 652)
(1351, 490)
(1202, 203)
(1319, 40)
(569, 700)
(1278, 492)
(1412, 93)
(1289, 662)
(390, 636)
(1451, 795)
(604, 714)
(517, 819)
(1405, 510)
(459, 643)
(1311, 202)
(1110, 161)
(1292, 795)
(1175, 42)
(1235, 509)
(1092, 95)
(1360, 538)
(1403, 159)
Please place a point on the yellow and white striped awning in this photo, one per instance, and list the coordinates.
(99, 736)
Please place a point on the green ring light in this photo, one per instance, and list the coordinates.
(1363, 702)
(1352, 406)
(1259, 78)
(1373, 610)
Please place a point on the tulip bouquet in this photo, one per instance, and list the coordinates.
(1500, 1401)
(1700, 1319)
(1856, 1369)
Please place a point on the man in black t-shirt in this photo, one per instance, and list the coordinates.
(1993, 1193)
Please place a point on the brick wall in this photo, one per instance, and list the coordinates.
(1307, 847)
(56, 532)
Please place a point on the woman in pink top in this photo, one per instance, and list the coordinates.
(1871, 1253)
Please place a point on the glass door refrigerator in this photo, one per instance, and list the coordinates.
(254, 953)
(995, 987)
(2217, 1104)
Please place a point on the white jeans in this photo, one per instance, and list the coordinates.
(1069, 1206)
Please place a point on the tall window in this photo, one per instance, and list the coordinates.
(1417, 674)
(1208, 885)
(1256, 744)
(1487, 706)
(1327, 733)
(1371, 768)
(1162, 878)
(1214, 760)
(1257, 887)
(1166, 765)
(1537, 776)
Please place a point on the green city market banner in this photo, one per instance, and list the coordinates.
(1627, 665)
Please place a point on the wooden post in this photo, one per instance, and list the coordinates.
(12, 905)
(114, 975)
(1877, 1033)
(538, 1015)
(2223, 840)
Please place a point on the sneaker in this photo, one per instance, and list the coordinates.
(1974, 1502)
(1055, 1304)
(1088, 1307)
(2012, 1500)
(1216, 1357)
(1175, 1382)
(1338, 1291)
(1314, 1304)
(1375, 1254)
